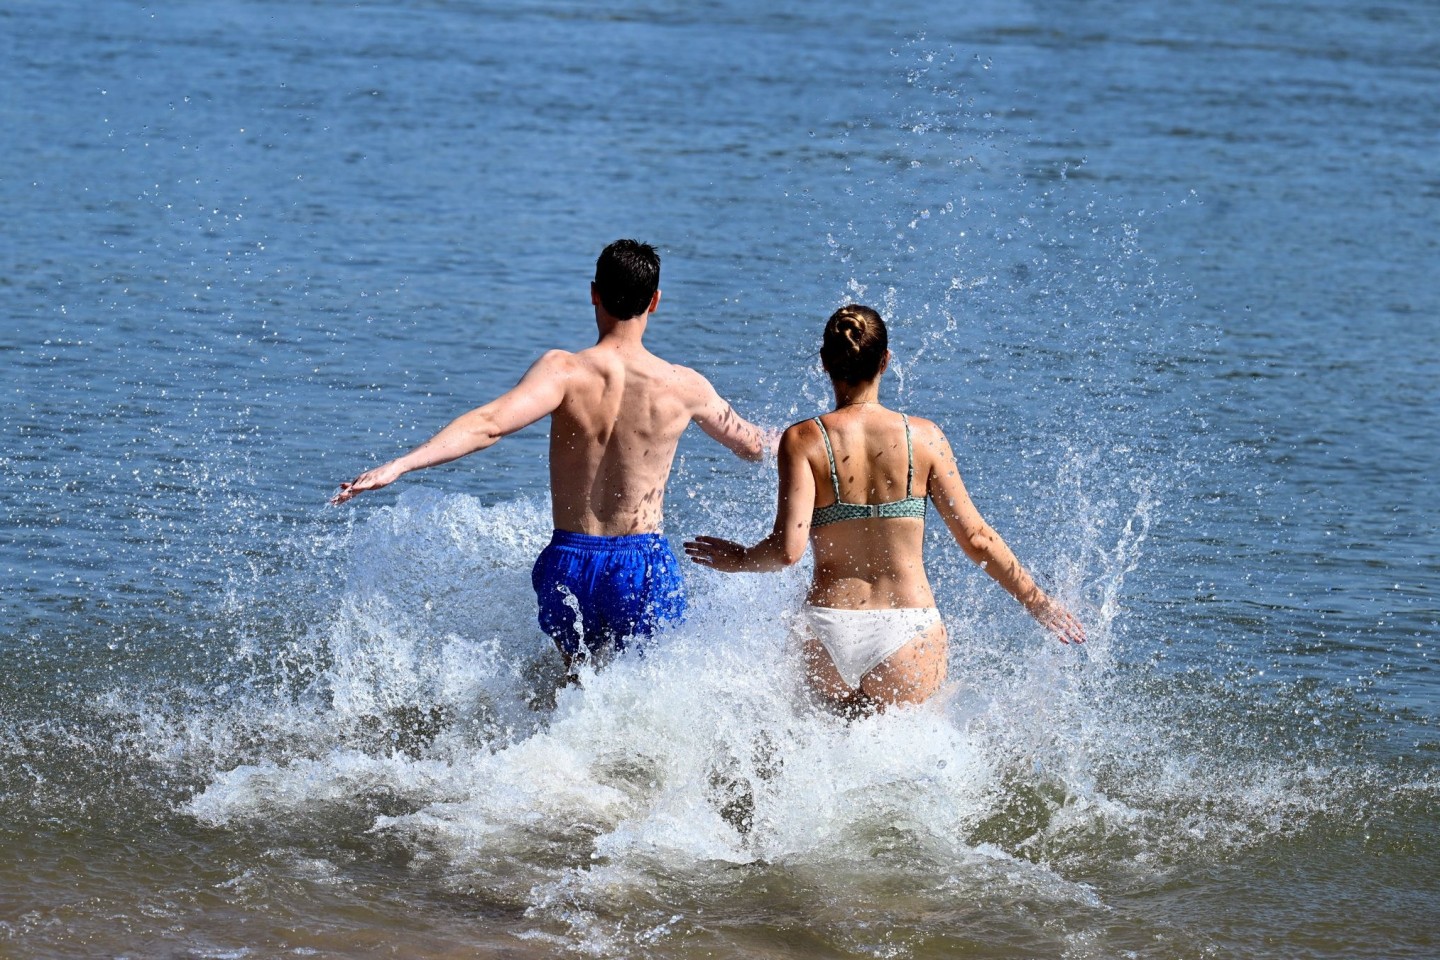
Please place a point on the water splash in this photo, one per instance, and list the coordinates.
(422, 709)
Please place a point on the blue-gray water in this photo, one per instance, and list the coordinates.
(1164, 272)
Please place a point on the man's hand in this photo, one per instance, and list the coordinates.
(381, 476)
(727, 556)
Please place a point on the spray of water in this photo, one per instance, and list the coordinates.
(385, 677)
(424, 709)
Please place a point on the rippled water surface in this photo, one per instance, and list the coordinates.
(1163, 272)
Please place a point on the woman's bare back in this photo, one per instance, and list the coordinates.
(877, 562)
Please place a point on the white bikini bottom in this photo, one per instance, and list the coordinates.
(858, 640)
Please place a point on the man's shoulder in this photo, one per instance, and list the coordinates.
(577, 365)
(606, 365)
(556, 358)
(553, 363)
(678, 377)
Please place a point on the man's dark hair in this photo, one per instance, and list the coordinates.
(627, 274)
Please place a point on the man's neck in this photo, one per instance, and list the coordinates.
(626, 334)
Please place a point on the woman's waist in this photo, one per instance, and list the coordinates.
(868, 593)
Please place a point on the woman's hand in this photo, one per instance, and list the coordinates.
(381, 476)
(1058, 620)
(727, 556)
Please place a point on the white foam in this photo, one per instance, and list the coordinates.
(429, 686)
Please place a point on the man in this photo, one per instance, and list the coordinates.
(616, 415)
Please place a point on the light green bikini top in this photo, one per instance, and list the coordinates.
(910, 506)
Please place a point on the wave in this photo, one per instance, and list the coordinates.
(423, 709)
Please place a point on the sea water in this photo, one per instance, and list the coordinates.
(1163, 273)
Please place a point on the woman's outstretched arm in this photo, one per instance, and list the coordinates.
(984, 546)
(787, 540)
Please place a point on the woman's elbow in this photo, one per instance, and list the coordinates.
(979, 544)
(790, 553)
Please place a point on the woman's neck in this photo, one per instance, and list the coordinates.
(850, 395)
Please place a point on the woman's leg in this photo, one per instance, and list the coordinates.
(825, 680)
(911, 674)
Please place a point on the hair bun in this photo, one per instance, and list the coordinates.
(855, 343)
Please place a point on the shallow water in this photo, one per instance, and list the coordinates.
(1161, 272)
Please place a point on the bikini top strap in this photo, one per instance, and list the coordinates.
(909, 457)
(829, 455)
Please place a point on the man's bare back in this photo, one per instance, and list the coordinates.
(616, 415)
(613, 436)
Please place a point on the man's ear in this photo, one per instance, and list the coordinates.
(654, 302)
(594, 297)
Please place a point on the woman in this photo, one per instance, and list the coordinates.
(854, 484)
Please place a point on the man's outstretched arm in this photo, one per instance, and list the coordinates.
(537, 395)
(720, 422)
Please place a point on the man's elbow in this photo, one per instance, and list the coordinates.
(749, 448)
(759, 443)
(484, 431)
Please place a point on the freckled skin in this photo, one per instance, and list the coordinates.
(613, 437)
(616, 412)
(871, 564)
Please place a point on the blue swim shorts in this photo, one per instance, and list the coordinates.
(606, 591)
